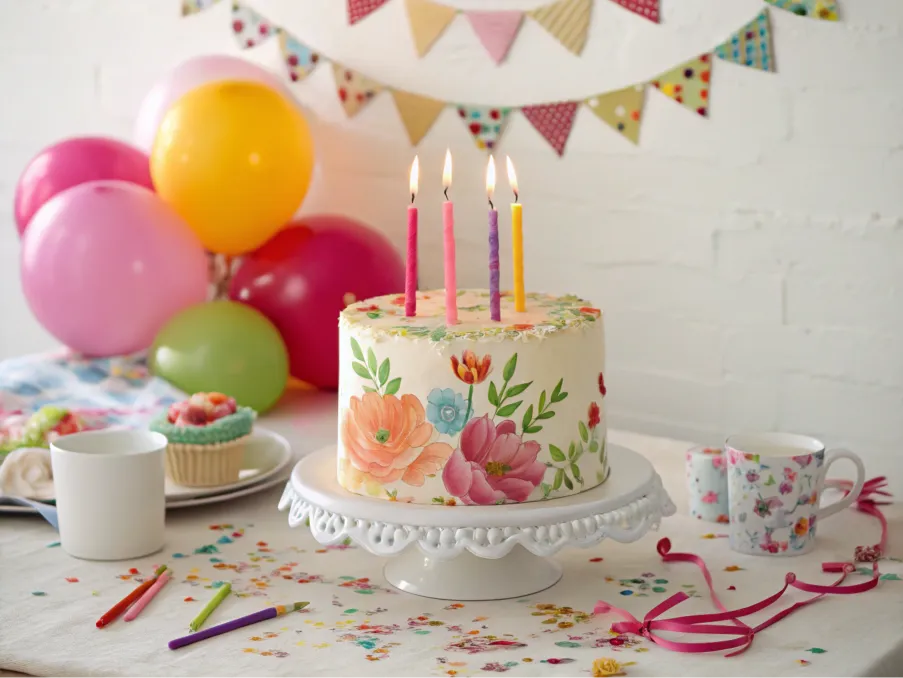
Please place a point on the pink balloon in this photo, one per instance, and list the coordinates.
(302, 278)
(188, 76)
(73, 162)
(105, 264)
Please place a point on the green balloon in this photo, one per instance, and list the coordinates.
(223, 346)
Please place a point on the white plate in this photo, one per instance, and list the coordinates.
(268, 460)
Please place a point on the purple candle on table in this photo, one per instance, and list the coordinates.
(234, 624)
(495, 299)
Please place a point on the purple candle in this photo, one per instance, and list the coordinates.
(234, 624)
(495, 299)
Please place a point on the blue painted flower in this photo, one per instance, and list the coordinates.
(446, 410)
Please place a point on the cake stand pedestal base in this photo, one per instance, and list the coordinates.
(476, 552)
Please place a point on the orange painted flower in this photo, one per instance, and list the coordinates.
(520, 327)
(399, 300)
(470, 369)
(802, 527)
(592, 311)
(385, 440)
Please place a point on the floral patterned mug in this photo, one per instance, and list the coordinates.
(775, 481)
(707, 484)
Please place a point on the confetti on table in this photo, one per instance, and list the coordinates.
(803, 662)
(731, 588)
(626, 592)
(215, 560)
(733, 568)
(189, 599)
(52, 544)
(72, 580)
(179, 555)
(889, 577)
(208, 548)
(95, 593)
(816, 650)
(133, 570)
(38, 593)
(596, 560)
(224, 540)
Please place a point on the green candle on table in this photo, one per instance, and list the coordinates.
(198, 621)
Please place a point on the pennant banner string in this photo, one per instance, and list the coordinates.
(688, 83)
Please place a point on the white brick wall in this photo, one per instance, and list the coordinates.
(749, 265)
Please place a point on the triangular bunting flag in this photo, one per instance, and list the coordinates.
(553, 121)
(815, 9)
(417, 113)
(645, 8)
(688, 84)
(622, 109)
(299, 59)
(567, 20)
(355, 90)
(190, 7)
(496, 30)
(486, 124)
(751, 45)
(361, 9)
(249, 28)
(428, 21)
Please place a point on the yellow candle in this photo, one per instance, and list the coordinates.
(517, 243)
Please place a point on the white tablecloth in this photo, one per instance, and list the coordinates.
(356, 625)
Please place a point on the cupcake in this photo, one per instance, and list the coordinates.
(39, 430)
(207, 435)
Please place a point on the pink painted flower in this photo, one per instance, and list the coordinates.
(492, 464)
(785, 487)
(752, 476)
(789, 474)
(710, 497)
(718, 463)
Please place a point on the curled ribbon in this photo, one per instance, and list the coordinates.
(706, 624)
(868, 504)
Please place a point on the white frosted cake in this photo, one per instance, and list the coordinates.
(479, 413)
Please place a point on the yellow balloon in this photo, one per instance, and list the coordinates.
(235, 160)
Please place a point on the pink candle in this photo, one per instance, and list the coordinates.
(448, 226)
(410, 281)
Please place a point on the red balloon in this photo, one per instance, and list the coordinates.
(304, 276)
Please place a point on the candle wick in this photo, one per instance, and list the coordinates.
(412, 198)
(515, 196)
(445, 191)
(491, 206)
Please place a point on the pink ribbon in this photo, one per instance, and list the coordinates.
(866, 503)
(706, 624)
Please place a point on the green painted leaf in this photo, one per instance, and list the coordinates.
(373, 315)
(557, 390)
(493, 394)
(509, 409)
(393, 386)
(567, 643)
(548, 414)
(356, 349)
(517, 390)
(584, 433)
(546, 489)
(572, 450)
(360, 370)
(371, 360)
(510, 366)
(556, 453)
(559, 477)
(562, 396)
(528, 417)
(576, 471)
(384, 372)
(594, 446)
(542, 401)
(437, 334)
(533, 429)
(369, 389)
(568, 483)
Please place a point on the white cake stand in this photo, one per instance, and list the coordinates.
(476, 552)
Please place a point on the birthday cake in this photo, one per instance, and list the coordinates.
(477, 413)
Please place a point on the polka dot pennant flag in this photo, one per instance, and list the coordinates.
(485, 123)
(826, 10)
(355, 90)
(190, 7)
(249, 28)
(645, 8)
(553, 121)
(751, 45)
(361, 9)
(623, 110)
(688, 84)
(300, 60)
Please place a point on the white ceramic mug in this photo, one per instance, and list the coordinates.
(110, 493)
(775, 482)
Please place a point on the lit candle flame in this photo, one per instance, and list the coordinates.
(490, 178)
(415, 176)
(447, 171)
(512, 177)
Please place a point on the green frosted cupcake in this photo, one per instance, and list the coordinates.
(207, 435)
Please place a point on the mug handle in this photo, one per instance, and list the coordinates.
(836, 455)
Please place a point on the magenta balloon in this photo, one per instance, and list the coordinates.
(188, 76)
(73, 162)
(104, 265)
(302, 278)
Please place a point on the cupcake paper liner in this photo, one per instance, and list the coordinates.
(205, 465)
